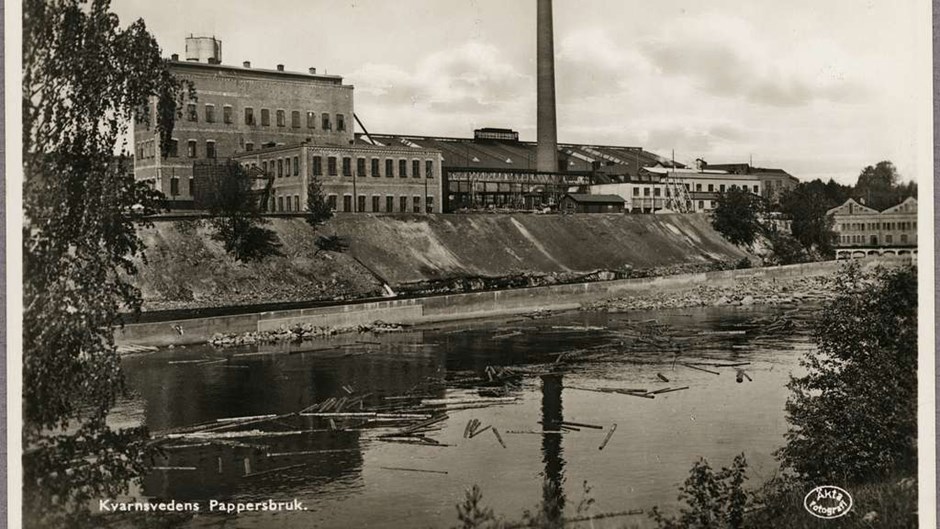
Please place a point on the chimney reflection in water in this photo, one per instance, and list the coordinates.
(553, 494)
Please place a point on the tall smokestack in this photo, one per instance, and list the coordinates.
(547, 132)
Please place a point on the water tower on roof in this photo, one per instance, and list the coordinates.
(203, 49)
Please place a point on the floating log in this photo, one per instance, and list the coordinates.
(610, 433)
(457, 401)
(535, 432)
(722, 333)
(274, 470)
(412, 441)
(311, 452)
(423, 424)
(467, 430)
(714, 364)
(582, 425)
(702, 369)
(661, 377)
(415, 470)
(478, 432)
(200, 361)
(174, 468)
(668, 390)
(249, 418)
(499, 438)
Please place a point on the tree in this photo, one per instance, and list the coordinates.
(318, 210)
(738, 216)
(807, 206)
(236, 212)
(877, 186)
(713, 499)
(85, 80)
(853, 416)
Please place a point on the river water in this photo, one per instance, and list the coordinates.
(350, 478)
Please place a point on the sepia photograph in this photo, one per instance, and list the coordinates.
(470, 264)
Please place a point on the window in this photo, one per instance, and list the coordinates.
(325, 121)
(374, 166)
(361, 203)
(227, 114)
(698, 187)
(360, 166)
(280, 118)
(657, 191)
(429, 168)
(347, 203)
(317, 166)
(249, 146)
(265, 117)
(403, 203)
(174, 148)
(721, 188)
(296, 202)
(249, 116)
(416, 204)
(174, 186)
(756, 189)
(311, 120)
(210, 149)
(347, 166)
(340, 122)
(403, 168)
(280, 168)
(389, 204)
(889, 238)
(331, 165)
(295, 119)
(264, 167)
(210, 113)
(636, 191)
(430, 204)
(375, 203)
(903, 238)
(296, 165)
(389, 165)
(646, 191)
(191, 148)
(331, 201)
(280, 203)
(711, 188)
(287, 167)
(191, 112)
(416, 169)
(288, 201)
(701, 205)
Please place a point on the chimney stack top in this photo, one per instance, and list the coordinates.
(313, 71)
(280, 67)
(246, 64)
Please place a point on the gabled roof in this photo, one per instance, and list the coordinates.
(909, 205)
(596, 199)
(853, 207)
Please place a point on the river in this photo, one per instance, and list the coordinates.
(350, 478)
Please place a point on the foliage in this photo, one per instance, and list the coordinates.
(853, 415)
(737, 216)
(471, 514)
(236, 214)
(785, 249)
(318, 210)
(806, 205)
(85, 79)
(878, 186)
(713, 499)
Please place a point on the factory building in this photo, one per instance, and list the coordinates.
(774, 182)
(354, 179)
(861, 230)
(239, 109)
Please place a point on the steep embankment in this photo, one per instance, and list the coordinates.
(405, 250)
(186, 268)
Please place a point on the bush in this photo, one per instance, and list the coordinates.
(713, 499)
(737, 216)
(853, 416)
(785, 249)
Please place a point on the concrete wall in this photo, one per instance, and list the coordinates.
(461, 306)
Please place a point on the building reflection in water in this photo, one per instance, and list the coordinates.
(553, 493)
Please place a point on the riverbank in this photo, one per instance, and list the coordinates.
(473, 305)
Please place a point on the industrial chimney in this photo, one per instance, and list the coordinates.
(547, 131)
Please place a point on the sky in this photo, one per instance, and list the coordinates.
(820, 89)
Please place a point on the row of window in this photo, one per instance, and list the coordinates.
(861, 226)
(280, 117)
(376, 204)
(870, 239)
(282, 167)
(374, 166)
(657, 191)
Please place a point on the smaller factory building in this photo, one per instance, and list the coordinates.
(586, 203)
(354, 178)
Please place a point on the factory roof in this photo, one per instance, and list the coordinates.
(596, 199)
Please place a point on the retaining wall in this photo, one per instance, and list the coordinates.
(462, 306)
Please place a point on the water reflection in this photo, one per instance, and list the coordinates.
(553, 493)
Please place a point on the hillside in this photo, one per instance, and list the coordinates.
(186, 268)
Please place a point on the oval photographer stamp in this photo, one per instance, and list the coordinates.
(828, 502)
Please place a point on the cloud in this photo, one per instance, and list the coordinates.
(456, 88)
